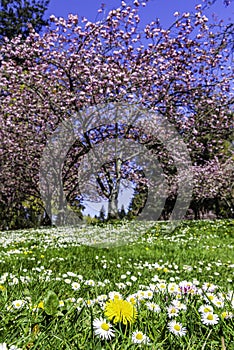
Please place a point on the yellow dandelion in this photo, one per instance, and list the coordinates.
(224, 314)
(119, 310)
(38, 306)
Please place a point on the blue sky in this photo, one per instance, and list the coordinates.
(155, 9)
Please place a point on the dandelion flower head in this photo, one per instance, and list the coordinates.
(119, 310)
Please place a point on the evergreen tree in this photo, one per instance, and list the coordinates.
(102, 213)
(16, 15)
(122, 212)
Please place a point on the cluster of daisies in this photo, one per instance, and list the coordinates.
(56, 237)
(119, 310)
(104, 330)
(121, 303)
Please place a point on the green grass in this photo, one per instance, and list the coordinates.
(41, 265)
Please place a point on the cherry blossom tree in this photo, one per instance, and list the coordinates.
(183, 74)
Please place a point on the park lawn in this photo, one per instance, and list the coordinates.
(119, 286)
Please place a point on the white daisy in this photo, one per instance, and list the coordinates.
(18, 304)
(90, 283)
(209, 318)
(204, 309)
(153, 307)
(103, 329)
(176, 328)
(140, 338)
(173, 288)
(133, 278)
(67, 280)
(153, 287)
(209, 287)
(80, 277)
(115, 295)
(132, 298)
(162, 287)
(210, 297)
(71, 300)
(148, 294)
(102, 297)
(71, 274)
(120, 285)
(178, 305)
(89, 302)
(75, 285)
(226, 315)
(172, 311)
(140, 295)
(218, 302)
(101, 284)
(79, 300)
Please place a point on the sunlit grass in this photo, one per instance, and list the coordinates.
(55, 282)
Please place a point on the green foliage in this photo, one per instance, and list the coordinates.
(15, 16)
(51, 303)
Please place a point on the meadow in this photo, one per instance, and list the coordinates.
(120, 286)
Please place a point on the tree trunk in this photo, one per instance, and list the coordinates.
(61, 219)
(113, 212)
(113, 206)
(217, 208)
